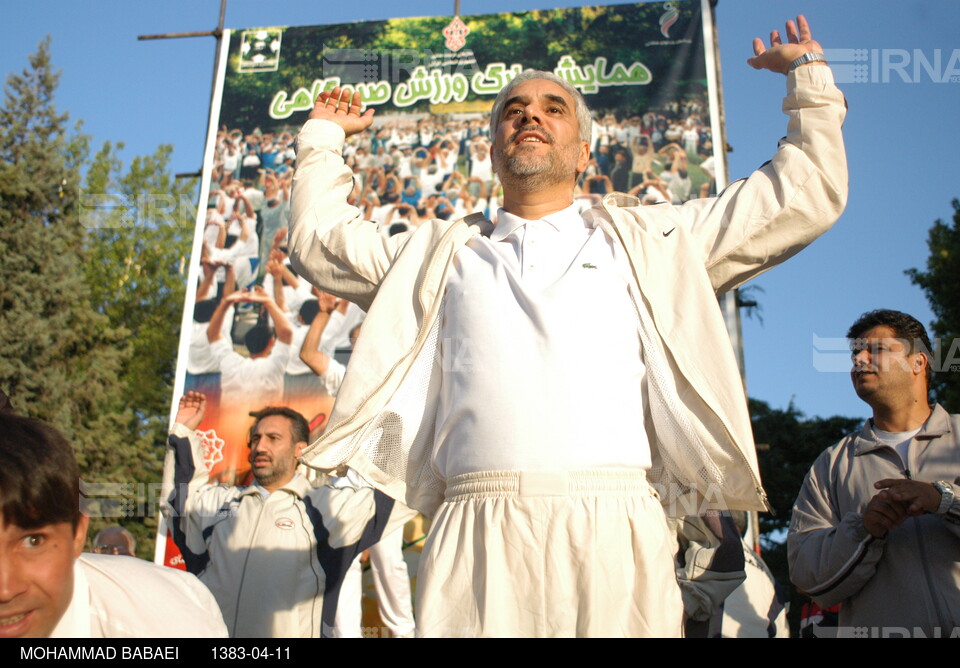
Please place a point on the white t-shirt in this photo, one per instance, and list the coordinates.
(200, 358)
(482, 169)
(245, 380)
(126, 597)
(899, 441)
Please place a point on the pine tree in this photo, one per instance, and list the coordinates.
(61, 359)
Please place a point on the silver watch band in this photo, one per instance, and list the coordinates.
(946, 497)
(808, 57)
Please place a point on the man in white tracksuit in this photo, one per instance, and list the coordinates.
(273, 553)
(470, 398)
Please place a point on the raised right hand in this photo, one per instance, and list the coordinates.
(338, 106)
(191, 409)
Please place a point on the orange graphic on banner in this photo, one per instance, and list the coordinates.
(456, 34)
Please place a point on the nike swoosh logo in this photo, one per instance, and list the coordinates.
(667, 234)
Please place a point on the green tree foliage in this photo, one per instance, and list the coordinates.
(939, 283)
(787, 445)
(60, 358)
(139, 226)
(88, 309)
(137, 252)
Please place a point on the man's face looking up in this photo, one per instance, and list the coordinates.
(36, 576)
(538, 137)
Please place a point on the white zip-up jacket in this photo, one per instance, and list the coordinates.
(681, 257)
(274, 564)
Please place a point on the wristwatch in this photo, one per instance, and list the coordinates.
(808, 57)
(946, 497)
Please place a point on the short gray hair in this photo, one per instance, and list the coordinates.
(584, 119)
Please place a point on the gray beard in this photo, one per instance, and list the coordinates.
(527, 173)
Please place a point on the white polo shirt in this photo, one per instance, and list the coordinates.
(541, 357)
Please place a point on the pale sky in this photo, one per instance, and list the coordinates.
(901, 140)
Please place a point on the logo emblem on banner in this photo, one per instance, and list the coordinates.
(456, 33)
(211, 446)
(260, 50)
(668, 18)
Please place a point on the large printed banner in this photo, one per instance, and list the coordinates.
(643, 69)
(627, 59)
